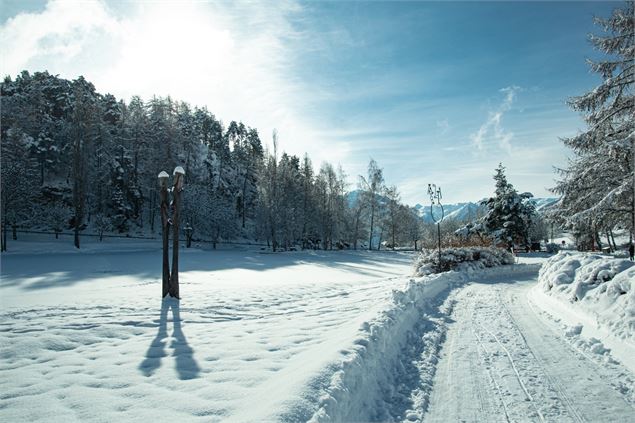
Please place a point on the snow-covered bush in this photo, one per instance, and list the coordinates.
(603, 287)
(461, 259)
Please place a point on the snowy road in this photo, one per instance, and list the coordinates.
(502, 361)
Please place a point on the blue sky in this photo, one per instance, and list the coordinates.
(436, 92)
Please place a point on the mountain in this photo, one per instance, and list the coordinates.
(465, 212)
(543, 204)
(461, 212)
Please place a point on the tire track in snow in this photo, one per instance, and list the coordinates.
(513, 364)
(489, 372)
(551, 384)
(562, 394)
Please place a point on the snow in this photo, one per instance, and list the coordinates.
(594, 293)
(86, 336)
(503, 361)
(293, 337)
(597, 285)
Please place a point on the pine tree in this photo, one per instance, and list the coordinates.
(509, 214)
(597, 186)
(18, 178)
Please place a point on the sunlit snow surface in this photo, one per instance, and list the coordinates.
(86, 337)
(292, 337)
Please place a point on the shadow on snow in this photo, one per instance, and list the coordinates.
(186, 365)
(43, 271)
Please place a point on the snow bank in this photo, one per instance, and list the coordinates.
(364, 384)
(601, 287)
(461, 259)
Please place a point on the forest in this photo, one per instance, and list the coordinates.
(76, 159)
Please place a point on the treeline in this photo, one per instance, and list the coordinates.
(75, 159)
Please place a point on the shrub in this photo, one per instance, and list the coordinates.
(461, 259)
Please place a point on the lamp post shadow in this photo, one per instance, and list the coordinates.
(186, 365)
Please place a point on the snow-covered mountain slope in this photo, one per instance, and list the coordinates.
(461, 212)
(465, 212)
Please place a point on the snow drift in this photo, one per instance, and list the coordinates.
(599, 286)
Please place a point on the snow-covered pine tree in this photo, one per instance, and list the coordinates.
(18, 175)
(308, 203)
(597, 186)
(269, 201)
(83, 124)
(509, 214)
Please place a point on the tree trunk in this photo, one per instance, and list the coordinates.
(244, 197)
(78, 188)
(76, 236)
(596, 237)
(393, 239)
(14, 231)
(370, 237)
(613, 239)
(152, 213)
(3, 239)
(274, 243)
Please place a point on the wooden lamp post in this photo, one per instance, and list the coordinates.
(165, 228)
(179, 179)
(170, 281)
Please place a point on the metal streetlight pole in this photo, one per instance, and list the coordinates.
(435, 198)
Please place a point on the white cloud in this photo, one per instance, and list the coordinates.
(230, 57)
(61, 30)
(492, 129)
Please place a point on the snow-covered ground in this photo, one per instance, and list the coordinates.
(291, 337)
(85, 336)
